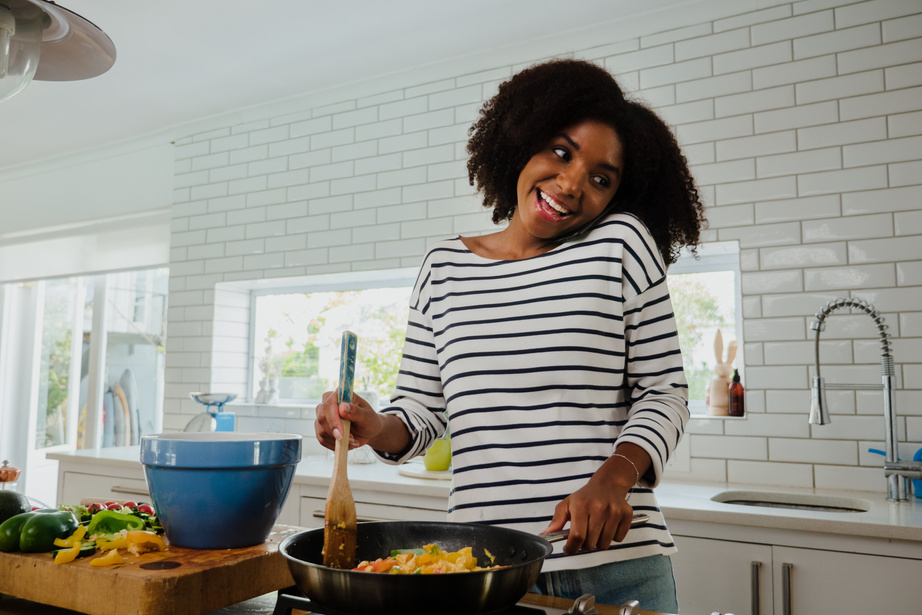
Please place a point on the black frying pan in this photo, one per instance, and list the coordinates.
(463, 593)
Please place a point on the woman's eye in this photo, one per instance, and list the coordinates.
(602, 181)
(561, 152)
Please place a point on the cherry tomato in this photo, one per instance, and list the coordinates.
(94, 508)
(130, 504)
(146, 508)
(114, 506)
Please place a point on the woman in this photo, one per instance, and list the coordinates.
(550, 345)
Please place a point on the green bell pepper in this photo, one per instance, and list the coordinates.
(35, 532)
(11, 530)
(112, 522)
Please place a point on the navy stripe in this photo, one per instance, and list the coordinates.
(562, 405)
(516, 319)
(524, 334)
(540, 270)
(530, 351)
(529, 370)
(530, 301)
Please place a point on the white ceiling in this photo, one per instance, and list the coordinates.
(180, 61)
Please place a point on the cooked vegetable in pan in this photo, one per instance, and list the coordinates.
(431, 559)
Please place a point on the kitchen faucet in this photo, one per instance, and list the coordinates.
(894, 470)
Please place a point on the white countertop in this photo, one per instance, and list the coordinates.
(680, 501)
(883, 519)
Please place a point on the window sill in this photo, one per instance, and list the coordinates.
(697, 415)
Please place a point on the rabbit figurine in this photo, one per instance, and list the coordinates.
(717, 395)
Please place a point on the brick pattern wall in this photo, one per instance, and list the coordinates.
(803, 123)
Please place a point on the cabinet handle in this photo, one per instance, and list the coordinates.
(319, 514)
(786, 588)
(755, 587)
(130, 491)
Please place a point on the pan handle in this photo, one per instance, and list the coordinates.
(562, 534)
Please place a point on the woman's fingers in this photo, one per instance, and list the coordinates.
(595, 520)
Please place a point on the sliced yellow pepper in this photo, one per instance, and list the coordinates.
(141, 541)
(112, 558)
(65, 556)
(74, 542)
(104, 544)
(74, 539)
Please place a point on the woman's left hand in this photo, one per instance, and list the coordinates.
(599, 512)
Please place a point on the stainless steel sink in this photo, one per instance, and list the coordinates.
(796, 501)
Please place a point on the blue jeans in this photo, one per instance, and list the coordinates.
(648, 580)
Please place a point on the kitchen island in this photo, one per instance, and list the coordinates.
(117, 472)
(730, 557)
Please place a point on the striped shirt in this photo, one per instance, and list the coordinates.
(543, 366)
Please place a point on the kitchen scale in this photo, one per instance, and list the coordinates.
(214, 418)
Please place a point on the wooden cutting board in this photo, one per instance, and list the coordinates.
(188, 581)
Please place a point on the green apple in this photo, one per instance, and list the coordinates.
(438, 456)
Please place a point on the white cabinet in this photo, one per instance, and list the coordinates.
(763, 579)
(373, 506)
(831, 583)
(723, 576)
(312, 512)
(76, 486)
(377, 489)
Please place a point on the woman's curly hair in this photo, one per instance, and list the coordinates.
(539, 102)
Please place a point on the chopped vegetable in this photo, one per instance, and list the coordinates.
(397, 552)
(74, 544)
(112, 558)
(143, 541)
(84, 549)
(81, 512)
(74, 539)
(107, 542)
(431, 559)
(112, 522)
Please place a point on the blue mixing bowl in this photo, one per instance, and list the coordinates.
(221, 490)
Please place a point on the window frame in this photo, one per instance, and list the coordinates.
(334, 282)
(713, 257)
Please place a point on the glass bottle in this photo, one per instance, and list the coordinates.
(736, 396)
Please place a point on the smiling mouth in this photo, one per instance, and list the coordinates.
(552, 206)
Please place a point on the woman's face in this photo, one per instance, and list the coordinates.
(570, 181)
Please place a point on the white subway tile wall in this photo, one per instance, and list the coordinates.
(803, 125)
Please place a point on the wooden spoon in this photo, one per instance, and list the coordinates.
(339, 525)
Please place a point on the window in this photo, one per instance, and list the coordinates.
(706, 296)
(81, 366)
(296, 330)
(296, 333)
(56, 416)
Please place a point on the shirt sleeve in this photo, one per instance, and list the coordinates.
(418, 400)
(655, 377)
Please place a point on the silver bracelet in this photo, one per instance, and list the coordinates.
(627, 498)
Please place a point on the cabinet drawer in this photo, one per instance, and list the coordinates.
(312, 512)
(78, 486)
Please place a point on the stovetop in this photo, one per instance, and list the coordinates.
(291, 598)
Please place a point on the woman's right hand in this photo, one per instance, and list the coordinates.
(365, 422)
